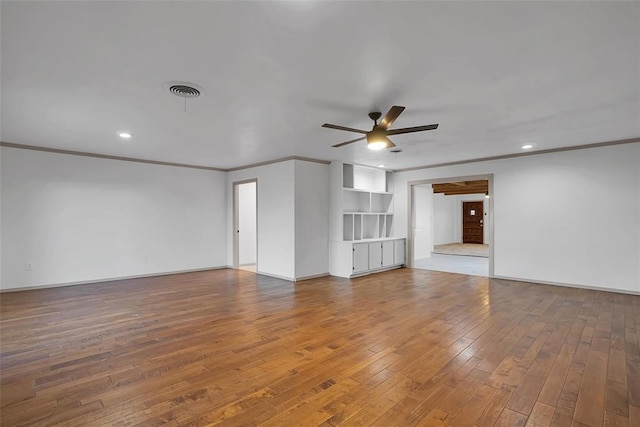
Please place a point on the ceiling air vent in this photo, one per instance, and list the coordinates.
(184, 89)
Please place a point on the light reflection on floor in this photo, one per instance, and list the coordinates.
(248, 267)
(472, 265)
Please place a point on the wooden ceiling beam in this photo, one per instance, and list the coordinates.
(465, 188)
(462, 187)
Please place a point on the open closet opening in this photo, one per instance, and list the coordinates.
(245, 220)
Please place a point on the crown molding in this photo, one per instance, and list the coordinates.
(105, 156)
(528, 153)
(310, 159)
(283, 159)
(154, 162)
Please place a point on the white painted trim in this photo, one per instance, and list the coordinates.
(379, 270)
(107, 156)
(276, 276)
(523, 154)
(566, 285)
(313, 276)
(112, 279)
(283, 159)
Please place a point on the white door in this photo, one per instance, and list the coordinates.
(360, 257)
(375, 255)
(387, 253)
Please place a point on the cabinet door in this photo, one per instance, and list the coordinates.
(398, 252)
(375, 255)
(360, 257)
(387, 253)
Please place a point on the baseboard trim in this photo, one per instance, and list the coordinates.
(292, 279)
(567, 285)
(379, 270)
(313, 276)
(276, 276)
(111, 279)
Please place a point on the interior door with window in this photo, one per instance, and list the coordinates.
(472, 222)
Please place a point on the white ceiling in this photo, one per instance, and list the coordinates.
(494, 75)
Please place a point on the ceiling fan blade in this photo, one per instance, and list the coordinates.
(413, 129)
(327, 125)
(391, 116)
(349, 142)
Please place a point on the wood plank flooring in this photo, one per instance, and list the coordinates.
(405, 347)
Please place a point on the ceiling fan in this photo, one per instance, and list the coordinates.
(377, 137)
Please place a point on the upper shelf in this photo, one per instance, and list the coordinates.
(366, 179)
(357, 190)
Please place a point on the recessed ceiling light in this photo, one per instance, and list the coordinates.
(527, 147)
(381, 165)
(125, 135)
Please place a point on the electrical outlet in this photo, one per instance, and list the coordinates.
(29, 267)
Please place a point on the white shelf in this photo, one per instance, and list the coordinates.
(367, 178)
(357, 227)
(347, 175)
(347, 227)
(388, 225)
(356, 201)
(361, 217)
(381, 202)
(370, 227)
(356, 190)
(363, 213)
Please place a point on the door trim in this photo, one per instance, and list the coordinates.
(410, 215)
(236, 221)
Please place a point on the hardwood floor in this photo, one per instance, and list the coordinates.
(405, 347)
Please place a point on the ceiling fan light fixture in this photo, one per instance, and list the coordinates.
(377, 137)
(376, 145)
(377, 140)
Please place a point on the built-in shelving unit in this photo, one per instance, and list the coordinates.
(362, 213)
(367, 204)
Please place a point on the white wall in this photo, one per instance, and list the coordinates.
(312, 219)
(444, 219)
(1, 215)
(76, 218)
(423, 221)
(447, 212)
(276, 217)
(247, 223)
(570, 217)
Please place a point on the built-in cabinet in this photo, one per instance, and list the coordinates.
(362, 239)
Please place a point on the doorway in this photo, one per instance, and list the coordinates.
(450, 225)
(245, 225)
